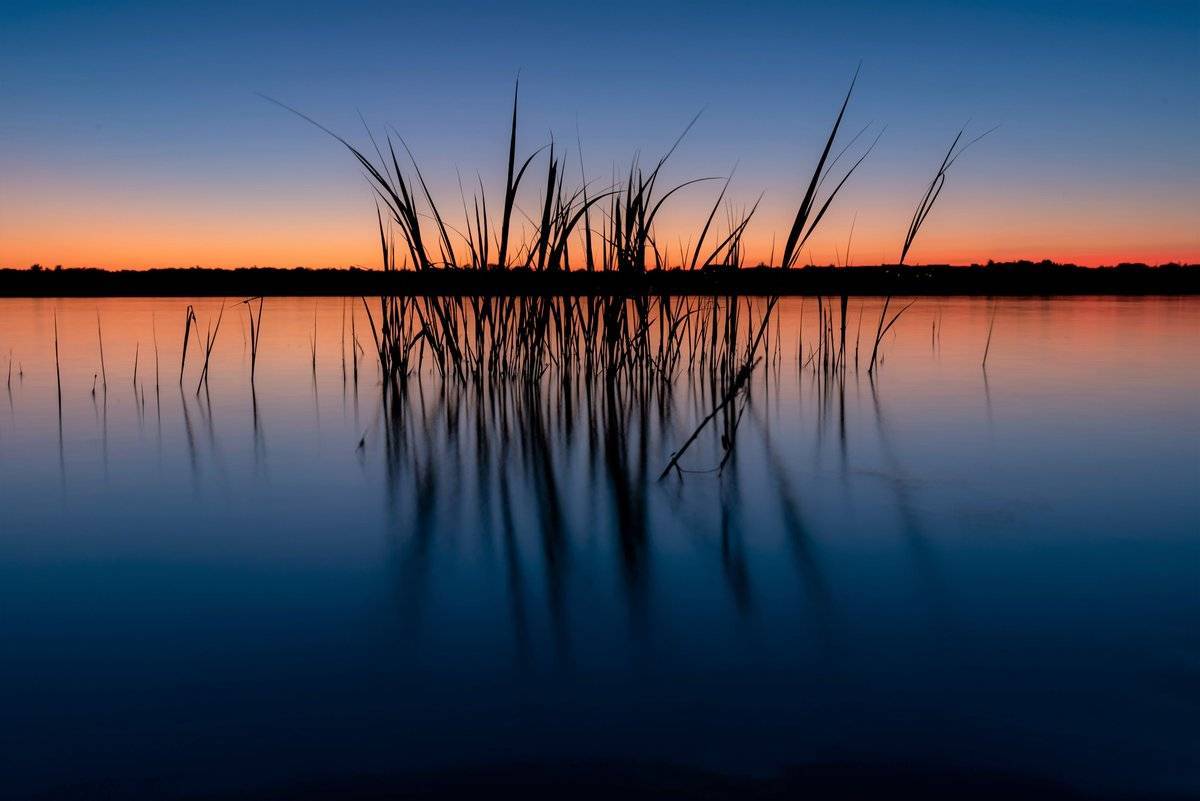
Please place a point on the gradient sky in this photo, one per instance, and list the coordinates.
(131, 134)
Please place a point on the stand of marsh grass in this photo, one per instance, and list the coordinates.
(628, 244)
(477, 338)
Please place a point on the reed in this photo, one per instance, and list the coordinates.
(354, 346)
(811, 210)
(100, 339)
(731, 392)
(924, 207)
(312, 342)
(988, 345)
(883, 328)
(57, 367)
(934, 190)
(189, 318)
(255, 320)
(154, 333)
(210, 340)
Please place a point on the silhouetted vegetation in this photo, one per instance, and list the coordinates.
(1000, 278)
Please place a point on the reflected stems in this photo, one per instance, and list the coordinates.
(62, 462)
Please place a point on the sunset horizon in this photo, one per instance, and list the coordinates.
(624, 401)
(146, 160)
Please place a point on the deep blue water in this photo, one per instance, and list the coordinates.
(984, 576)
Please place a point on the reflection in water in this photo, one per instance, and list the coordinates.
(330, 561)
(571, 453)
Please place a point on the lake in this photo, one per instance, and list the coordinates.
(934, 576)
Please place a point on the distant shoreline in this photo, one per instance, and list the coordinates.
(1011, 278)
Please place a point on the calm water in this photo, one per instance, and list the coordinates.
(945, 570)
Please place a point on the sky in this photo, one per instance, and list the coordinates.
(134, 134)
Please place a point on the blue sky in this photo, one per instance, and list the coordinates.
(131, 133)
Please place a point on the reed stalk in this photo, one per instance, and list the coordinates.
(988, 345)
(100, 339)
(255, 332)
(57, 368)
(189, 318)
(209, 341)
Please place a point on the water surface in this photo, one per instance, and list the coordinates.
(940, 570)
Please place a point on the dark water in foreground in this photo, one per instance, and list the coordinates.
(991, 577)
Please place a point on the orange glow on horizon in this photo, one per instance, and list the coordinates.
(329, 247)
(334, 230)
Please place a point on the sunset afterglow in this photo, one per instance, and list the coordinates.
(123, 150)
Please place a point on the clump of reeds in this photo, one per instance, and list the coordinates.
(637, 338)
(609, 336)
